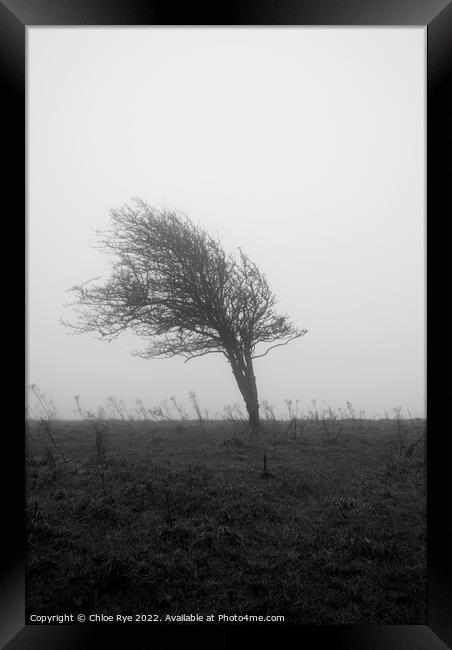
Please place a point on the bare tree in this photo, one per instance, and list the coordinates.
(173, 284)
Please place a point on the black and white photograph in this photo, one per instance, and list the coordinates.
(226, 390)
(226, 294)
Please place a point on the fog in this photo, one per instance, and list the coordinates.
(303, 146)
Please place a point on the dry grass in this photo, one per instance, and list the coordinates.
(188, 519)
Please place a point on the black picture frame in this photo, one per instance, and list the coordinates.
(436, 16)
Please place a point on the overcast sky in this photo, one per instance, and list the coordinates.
(303, 146)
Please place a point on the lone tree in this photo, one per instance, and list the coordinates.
(173, 284)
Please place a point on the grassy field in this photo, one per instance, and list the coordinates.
(173, 518)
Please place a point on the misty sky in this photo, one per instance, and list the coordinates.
(303, 146)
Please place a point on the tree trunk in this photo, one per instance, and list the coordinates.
(242, 367)
(252, 406)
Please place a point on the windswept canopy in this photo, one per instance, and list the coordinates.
(174, 285)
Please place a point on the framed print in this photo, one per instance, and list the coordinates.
(242, 199)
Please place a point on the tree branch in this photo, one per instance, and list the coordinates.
(278, 345)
